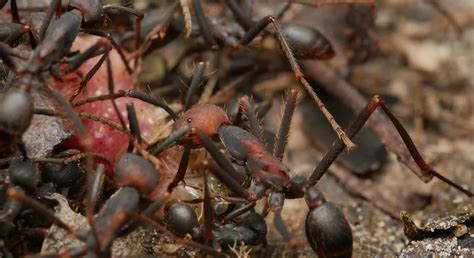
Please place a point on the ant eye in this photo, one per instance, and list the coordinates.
(189, 120)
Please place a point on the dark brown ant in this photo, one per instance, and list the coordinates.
(55, 43)
(36, 178)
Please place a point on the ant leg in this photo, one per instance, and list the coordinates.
(153, 101)
(83, 115)
(204, 27)
(107, 35)
(16, 34)
(53, 7)
(241, 18)
(220, 159)
(6, 53)
(97, 185)
(100, 47)
(183, 166)
(158, 31)
(172, 138)
(286, 6)
(195, 83)
(85, 141)
(143, 152)
(133, 123)
(258, 28)
(111, 86)
(14, 11)
(245, 107)
(276, 201)
(282, 137)
(281, 227)
(89, 74)
(208, 213)
(147, 212)
(80, 130)
(138, 20)
(22, 148)
(132, 94)
(17, 195)
(239, 211)
(364, 115)
(226, 177)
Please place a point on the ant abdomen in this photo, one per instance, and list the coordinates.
(307, 42)
(181, 218)
(16, 112)
(328, 232)
(135, 171)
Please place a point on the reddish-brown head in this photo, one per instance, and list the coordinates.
(204, 117)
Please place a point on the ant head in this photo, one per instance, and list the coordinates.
(24, 174)
(62, 176)
(205, 118)
(256, 223)
(133, 170)
(180, 217)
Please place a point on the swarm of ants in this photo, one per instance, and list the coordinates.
(129, 159)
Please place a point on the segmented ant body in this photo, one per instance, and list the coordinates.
(203, 122)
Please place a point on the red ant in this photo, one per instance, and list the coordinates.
(200, 123)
